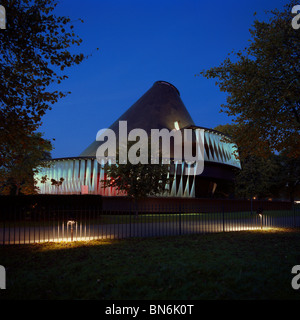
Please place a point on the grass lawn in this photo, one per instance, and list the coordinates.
(233, 265)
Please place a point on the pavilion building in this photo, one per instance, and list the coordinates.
(159, 108)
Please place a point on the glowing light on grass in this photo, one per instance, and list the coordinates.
(71, 224)
(260, 215)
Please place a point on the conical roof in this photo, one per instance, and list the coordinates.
(160, 107)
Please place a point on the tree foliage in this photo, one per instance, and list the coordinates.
(256, 179)
(287, 178)
(22, 163)
(34, 54)
(262, 82)
(271, 175)
(34, 50)
(137, 180)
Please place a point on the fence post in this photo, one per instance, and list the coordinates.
(294, 209)
(223, 216)
(179, 219)
(130, 212)
(4, 225)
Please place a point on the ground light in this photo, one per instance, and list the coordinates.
(71, 223)
(260, 215)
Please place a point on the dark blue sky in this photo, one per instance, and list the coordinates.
(139, 43)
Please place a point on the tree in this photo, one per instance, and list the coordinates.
(263, 86)
(137, 180)
(287, 178)
(34, 53)
(274, 175)
(22, 163)
(256, 177)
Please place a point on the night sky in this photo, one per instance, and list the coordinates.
(141, 42)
